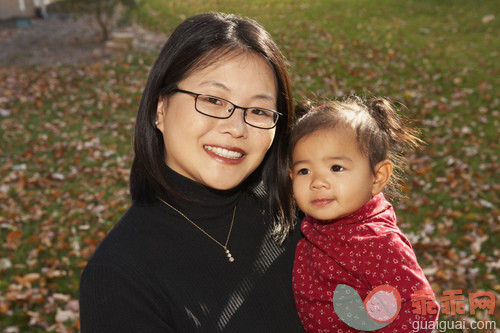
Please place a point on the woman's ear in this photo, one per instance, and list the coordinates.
(160, 113)
(383, 171)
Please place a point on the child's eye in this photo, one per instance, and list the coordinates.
(337, 168)
(303, 172)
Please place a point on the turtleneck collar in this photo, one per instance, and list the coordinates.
(374, 206)
(206, 203)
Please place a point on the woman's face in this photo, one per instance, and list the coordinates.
(219, 153)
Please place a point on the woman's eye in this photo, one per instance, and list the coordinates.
(262, 113)
(213, 100)
(208, 100)
(337, 168)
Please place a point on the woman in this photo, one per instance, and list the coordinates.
(197, 250)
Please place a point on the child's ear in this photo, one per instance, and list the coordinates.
(383, 171)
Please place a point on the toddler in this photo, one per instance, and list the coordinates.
(342, 156)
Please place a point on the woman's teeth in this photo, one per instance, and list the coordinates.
(224, 152)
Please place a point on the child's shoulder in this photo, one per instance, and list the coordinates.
(387, 236)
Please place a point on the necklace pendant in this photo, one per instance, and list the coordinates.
(229, 256)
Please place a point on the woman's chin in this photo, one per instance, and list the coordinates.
(223, 185)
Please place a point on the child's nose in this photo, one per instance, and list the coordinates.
(320, 181)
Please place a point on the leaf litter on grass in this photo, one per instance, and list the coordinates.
(66, 151)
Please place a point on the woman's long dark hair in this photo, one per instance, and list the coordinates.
(196, 43)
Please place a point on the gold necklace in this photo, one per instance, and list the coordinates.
(228, 254)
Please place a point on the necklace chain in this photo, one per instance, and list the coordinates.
(228, 254)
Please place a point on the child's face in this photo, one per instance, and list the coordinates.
(331, 178)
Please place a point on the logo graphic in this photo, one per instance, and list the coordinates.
(379, 309)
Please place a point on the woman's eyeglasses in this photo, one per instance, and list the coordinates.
(217, 107)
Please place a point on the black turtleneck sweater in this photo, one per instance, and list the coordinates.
(155, 272)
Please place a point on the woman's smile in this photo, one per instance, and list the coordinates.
(234, 154)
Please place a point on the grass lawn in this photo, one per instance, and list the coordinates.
(67, 139)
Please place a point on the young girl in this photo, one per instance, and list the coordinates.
(342, 156)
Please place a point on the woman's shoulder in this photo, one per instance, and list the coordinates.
(139, 217)
(125, 241)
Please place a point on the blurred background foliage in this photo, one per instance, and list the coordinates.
(67, 138)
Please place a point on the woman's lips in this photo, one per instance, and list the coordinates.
(229, 155)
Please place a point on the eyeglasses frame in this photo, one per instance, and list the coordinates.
(196, 95)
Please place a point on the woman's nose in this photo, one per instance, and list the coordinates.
(235, 125)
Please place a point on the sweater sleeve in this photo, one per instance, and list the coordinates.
(113, 301)
(391, 261)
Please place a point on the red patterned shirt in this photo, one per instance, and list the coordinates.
(363, 250)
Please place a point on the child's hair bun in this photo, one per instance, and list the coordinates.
(302, 108)
(382, 111)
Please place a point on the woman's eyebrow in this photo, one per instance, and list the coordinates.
(216, 84)
(266, 97)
